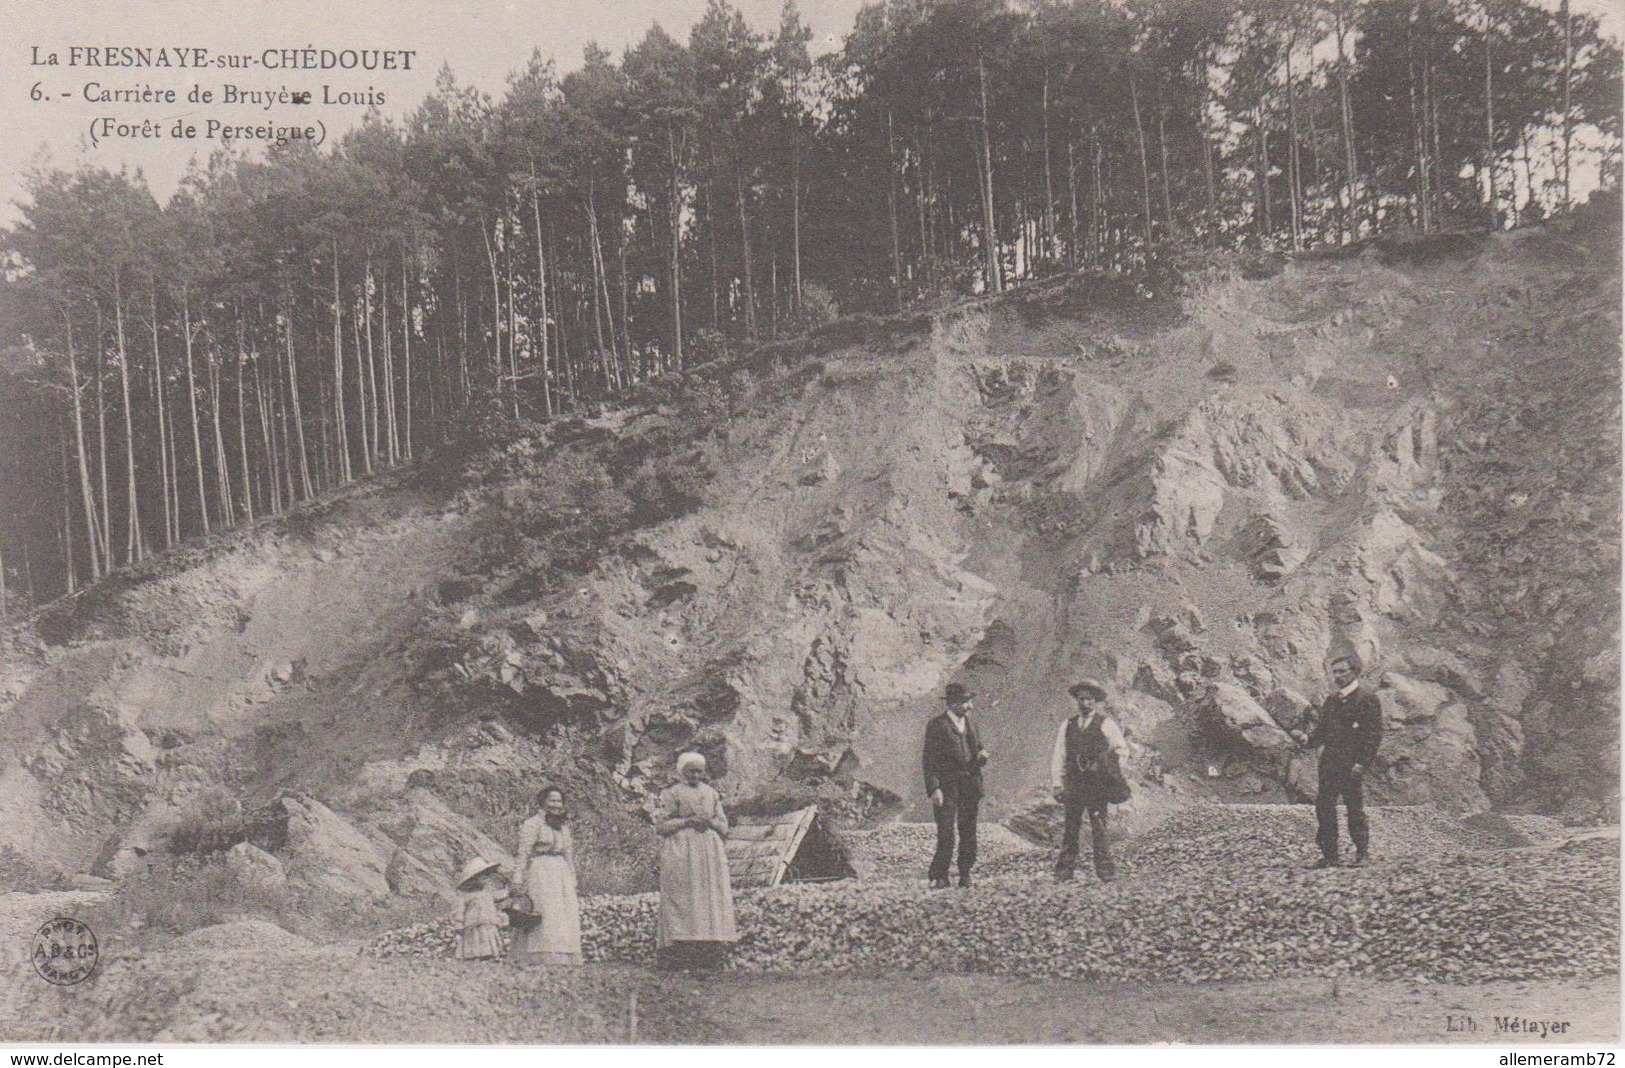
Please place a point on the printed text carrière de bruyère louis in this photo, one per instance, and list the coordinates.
(105, 86)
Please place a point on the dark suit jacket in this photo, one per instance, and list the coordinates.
(1350, 728)
(951, 764)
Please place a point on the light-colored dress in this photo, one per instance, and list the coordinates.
(696, 899)
(477, 920)
(549, 878)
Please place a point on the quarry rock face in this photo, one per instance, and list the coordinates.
(1200, 502)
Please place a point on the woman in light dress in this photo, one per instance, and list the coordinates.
(696, 924)
(546, 858)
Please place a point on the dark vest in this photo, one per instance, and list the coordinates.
(1084, 746)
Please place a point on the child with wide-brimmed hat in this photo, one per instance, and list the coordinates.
(478, 914)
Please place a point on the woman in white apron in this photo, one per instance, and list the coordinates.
(696, 899)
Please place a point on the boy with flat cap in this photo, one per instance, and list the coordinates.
(953, 780)
(1081, 779)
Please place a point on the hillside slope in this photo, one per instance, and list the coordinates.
(1409, 450)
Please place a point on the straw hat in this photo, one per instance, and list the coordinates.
(474, 869)
(1092, 687)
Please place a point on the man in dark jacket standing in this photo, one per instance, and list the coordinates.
(1349, 732)
(953, 779)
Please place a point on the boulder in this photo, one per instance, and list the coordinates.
(409, 876)
(438, 840)
(1274, 550)
(1156, 679)
(1437, 665)
(1603, 668)
(253, 866)
(1253, 673)
(1437, 761)
(1407, 700)
(1234, 712)
(1291, 709)
(1500, 748)
(327, 852)
(1302, 778)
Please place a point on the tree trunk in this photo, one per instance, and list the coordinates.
(87, 496)
(1568, 100)
(406, 350)
(1208, 178)
(340, 431)
(1351, 171)
(242, 428)
(298, 413)
(541, 275)
(1162, 153)
(597, 304)
(165, 482)
(1266, 223)
(1294, 183)
(133, 547)
(222, 467)
(191, 398)
(374, 427)
(674, 155)
(392, 423)
(1145, 168)
(745, 255)
(496, 304)
(264, 406)
(1489, 116)
(995, 273)
(105, 533)
(795, 213)
(1049, 182)
(891, 204)
(1072, 198)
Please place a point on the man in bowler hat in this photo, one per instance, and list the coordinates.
(1349, 732)
(953, 778)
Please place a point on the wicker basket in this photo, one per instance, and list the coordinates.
(521, 912)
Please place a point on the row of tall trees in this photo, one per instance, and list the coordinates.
(288, 323)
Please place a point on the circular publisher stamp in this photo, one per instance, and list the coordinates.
(64, 951)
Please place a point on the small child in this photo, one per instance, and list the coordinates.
(477, 911)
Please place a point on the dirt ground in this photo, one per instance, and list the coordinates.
(1001, 1011)
(330, 994)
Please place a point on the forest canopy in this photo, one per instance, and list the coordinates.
(293, 319)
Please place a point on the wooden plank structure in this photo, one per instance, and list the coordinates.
(763, 852)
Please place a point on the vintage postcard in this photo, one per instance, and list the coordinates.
(782, 522)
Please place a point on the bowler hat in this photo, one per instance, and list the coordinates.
(955, 694)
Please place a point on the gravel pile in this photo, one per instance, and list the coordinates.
(242, 936)
(435, 939)
(1214, 893)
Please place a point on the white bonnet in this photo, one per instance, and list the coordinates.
(690, 759)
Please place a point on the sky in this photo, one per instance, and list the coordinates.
(483, 40)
